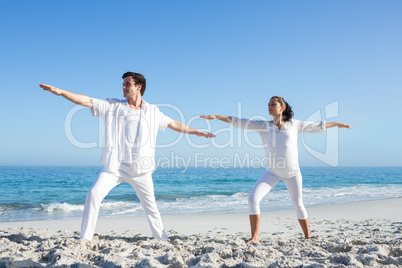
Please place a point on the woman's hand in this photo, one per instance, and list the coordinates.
(208, 117)
(342, 125)
(336, 124)
(223, 118)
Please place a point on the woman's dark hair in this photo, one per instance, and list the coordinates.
(287, 112)
(139, 79)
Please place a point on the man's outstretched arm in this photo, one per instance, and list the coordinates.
(73, 97)
(180, 127)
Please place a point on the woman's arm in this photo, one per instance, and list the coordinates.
(180, 127)
(73, 97)
(336, 124)
(242, 123)
(223, 118)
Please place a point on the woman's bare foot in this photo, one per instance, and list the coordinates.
(255, 226)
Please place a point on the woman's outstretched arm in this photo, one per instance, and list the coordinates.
(223, 118)
(336, 124)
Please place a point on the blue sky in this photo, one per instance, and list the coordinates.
(203, 57)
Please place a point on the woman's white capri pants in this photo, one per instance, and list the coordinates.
(267, 182)
(105, 182)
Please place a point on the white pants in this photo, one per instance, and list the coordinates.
(267, 182)
(103, 184)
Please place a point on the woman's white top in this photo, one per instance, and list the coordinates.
(280, 144)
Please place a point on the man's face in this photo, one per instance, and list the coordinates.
(130, 90)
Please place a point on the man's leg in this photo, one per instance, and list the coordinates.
(100, 188)
(144, 188)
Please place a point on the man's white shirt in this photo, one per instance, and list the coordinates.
(130, 135)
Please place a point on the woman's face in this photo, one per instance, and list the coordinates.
(275, 108)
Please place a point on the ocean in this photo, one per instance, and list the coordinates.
(42, 193)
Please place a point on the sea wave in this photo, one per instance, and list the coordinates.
(337, 195)
(236, 202)
(61, 208)
(66, 208)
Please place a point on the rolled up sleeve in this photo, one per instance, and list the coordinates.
(311, 127)
(164, 121)
(253, 125)
(99, 107)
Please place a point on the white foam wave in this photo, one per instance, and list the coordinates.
(237, 202)
(67, 208)
(61, 208)
(240, 194)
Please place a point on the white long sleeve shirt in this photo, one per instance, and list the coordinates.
(130, 135)
(280, 144)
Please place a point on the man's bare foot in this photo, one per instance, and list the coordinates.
(252, 240)
(85, 244)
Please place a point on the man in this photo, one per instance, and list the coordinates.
(128, 153)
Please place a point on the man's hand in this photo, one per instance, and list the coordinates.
(54, 90)
(205, 134)
(75, 98)
(180, 127)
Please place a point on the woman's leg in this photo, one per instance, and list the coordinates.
(294, 185)
(265, 183)
(304, 226)
(144, 188)
(255, 227)
(100, 188)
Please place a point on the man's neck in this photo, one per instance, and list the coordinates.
(135, 103)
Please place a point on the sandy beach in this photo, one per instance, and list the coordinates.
(363, 234)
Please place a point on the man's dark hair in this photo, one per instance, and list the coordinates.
(139, 79)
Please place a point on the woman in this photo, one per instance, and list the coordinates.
(279, 137)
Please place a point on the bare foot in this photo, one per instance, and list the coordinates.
(85, 244)
(252, 240)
